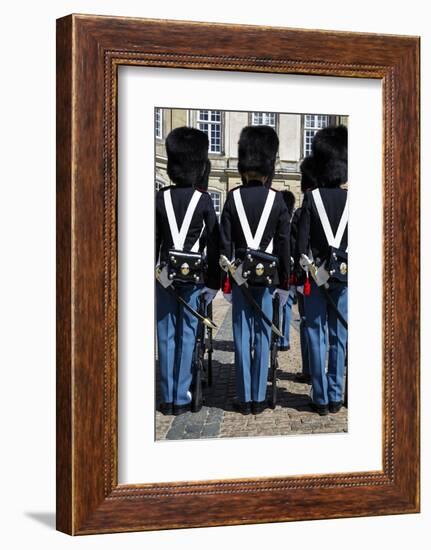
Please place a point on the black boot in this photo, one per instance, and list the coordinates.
(166, 408)
(258, 406)
(335, 406)
(243, 407)
(181, 409)
(322, 410)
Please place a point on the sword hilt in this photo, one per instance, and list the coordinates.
(208, 323)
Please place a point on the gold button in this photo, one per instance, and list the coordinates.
(185, 269)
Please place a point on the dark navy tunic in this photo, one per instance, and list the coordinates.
(253, 196)
(310, 230)
(204, 213)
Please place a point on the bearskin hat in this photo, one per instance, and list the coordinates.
(187, 150)
(329, 151)
(257, 150)
(289, 199)
(204, 181)
(308, 174)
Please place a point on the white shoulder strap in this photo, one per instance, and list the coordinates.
(195, 247)
(243, 218)
(179, 236)
(334, 241)
(264, 218)
(254, 242)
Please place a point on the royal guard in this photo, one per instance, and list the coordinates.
(286, 310)
(255, 252)
(184, 275)
(308, 183)
(322, 252)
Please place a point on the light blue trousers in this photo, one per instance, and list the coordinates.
(176, 337)
(252, 339)
(327, 386)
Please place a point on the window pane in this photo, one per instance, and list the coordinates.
(215, 116)
(313, 123)
(210, 123)
(202, 115)
(216, 198)
(258, 119)
(316, 121)
(204, 127)
(159, 123)
(308, 139)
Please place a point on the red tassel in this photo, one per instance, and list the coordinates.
(307, 287)
(227, 288)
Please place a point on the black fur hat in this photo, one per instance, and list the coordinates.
(257, 150)
(329, 150)
(289, 199)
(187, 150)
(204, 181)
(308, 174)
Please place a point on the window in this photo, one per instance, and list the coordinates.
(259, 119)
(210, 123)
(216, 198)
(159, 123)
(312, 124)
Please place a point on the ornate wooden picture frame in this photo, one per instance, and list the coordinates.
(89, 51)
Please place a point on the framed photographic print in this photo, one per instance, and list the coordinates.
(204, 374)
(214, 404)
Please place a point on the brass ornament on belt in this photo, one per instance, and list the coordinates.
(260, 270)
(185, 269)
(343, 268)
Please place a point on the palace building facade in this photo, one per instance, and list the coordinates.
(295, 131)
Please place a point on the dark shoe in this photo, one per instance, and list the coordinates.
(335, 406)
(166, 408)
(322, 410)
(243, 407)
(258, 406)
(196, 408)
(302, 378)
(181, 409)
(283, 348)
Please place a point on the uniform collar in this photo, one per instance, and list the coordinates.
(254, 183)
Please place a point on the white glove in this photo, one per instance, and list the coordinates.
(228, 296)
(283, 296)
(208, 294)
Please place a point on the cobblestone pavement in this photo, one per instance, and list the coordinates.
(217, 418)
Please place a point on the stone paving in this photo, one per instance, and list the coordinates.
(217, 418)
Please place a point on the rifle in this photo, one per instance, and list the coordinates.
(210, 348)
(274, 352)
(202, 373)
